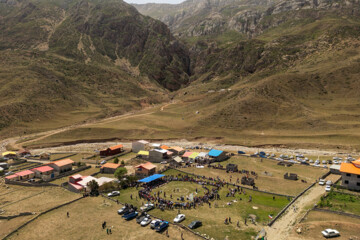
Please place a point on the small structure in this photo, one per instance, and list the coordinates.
(156, 145)
(11, 155)
(157, 155)
(143, 154)
(13, 177)
(203, 155)
(45, 172)
(186, 156)
(112, 150)
(193, 156)
(176, 162)
(44, 156)
(145, 169)
(217, 155)
(25, 175)
(176, 150)
(63, 165)
(335, 169)
(164, 147)
(291, 176)
(109, 168)
(141, 145)
(231, 167)
(247, 181)
(24, 152)
(78, 183)
(350, 175)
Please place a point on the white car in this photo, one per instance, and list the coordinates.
(328, 188)
(323, 162)
(179, 218)
(102, 162)
(330, 233)
(329, 183)
(335, 162)
(311, 161)
(114, 193)
(147, 207)
(321, 182)
(154, 223)
(145, 221)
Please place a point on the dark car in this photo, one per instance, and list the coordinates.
(305, 163)
(130, 216)
(162, 226)
(141, 217)
(195, 224)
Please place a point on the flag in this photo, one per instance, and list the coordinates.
(270, 216)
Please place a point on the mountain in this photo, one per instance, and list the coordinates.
(65, 61)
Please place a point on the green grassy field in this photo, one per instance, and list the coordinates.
(262, 206)
(342, 202)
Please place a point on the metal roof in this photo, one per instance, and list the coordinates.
(151, 178)
(215, 153)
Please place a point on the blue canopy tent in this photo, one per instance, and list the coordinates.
(215, 153)
(151, 178)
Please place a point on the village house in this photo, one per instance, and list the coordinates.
(144, 170)
(350, 175)
(78, 183)
(13, 177)
(24, 152)
(109, 167)
(217, 155)
(112, 150)
(141, 145)
(25, 175)
(176, 150)
(186, 156)
(143, 154)
(11, 155)
(176, 162)
(45, 172)
(157, 155)
(62, 165)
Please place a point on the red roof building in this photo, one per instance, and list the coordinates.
(112, 150)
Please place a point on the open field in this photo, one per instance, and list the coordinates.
(262, 205)
(55, 225)
(316, 222)
(342, 202)
(18, 199)
(273, 180)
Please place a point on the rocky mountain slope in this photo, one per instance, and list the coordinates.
(92, 57)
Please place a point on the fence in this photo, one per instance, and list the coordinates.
(40, 214)
(15, 216)
(287, 206)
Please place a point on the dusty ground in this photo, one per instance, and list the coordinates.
(86, 217)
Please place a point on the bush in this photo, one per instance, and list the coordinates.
(116, 160)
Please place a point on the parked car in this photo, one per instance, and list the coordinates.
(141, 217)
(179, 218)
(323, 161)
(147, 207)
(195, 224)
(328, 188)
(9, 173)
(154, 223)
(130, 216)
(329, 183)
(114, 193)
(335, 162)
(123, 210)
(102, 162)
(164, 162)
(321, 182)
(162, 226)
(330, 233)
(329, 161)
(145, 221)
(311, 161)
(305, 163)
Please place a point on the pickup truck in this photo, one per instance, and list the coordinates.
(130, 216)
(162, 226)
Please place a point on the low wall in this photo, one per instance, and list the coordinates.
(15, 216)
(27, 184)
(336, 212)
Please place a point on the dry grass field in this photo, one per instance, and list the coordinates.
(86, 217)
(273, 180)
(18, 199)
(318, 221)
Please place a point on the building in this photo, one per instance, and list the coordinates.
(164, 147)
(24, 152)
(217, 155)
(176, 162)
(156, 145)
(335, 169)
(193, 156)
(109, 167)
(25, 175)
(44, 156)
(186, 155)
(176, 150)
(145, 169)
(143, 154)
(112, 150)
(141, 145)
(11, 155)
(62, 165)
(45, 172)
(231, 167)
(157, 155)
(78, 183)
(350, 175)
(13, 177)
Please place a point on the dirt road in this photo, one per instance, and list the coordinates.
(283, 227)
